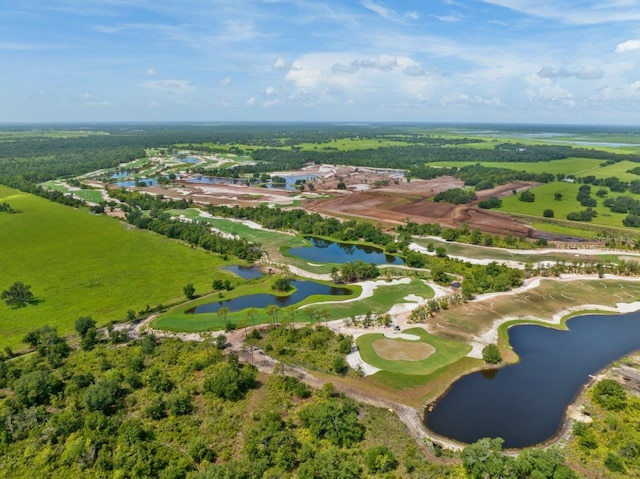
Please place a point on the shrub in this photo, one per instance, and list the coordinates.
(380, 459)
(610, 395)
(493, 202)
(527, 197)
(491, 354)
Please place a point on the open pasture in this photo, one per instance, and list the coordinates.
(545, 199)
(80, 264)
(570, 166)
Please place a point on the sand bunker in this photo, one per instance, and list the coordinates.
(393, 350)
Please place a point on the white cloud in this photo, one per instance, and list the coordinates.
(381, 62)
(279, 64)
(86, 96)
(585, 12)
(628, 46)
(449, 18)
(588, 72)
(251, 101)
(270, 91)
(150, 72)
(169, 86)
(224, 81)
(388, 13)
(543, 89)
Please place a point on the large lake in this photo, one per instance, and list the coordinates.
(323, 251)
(525, 403)
(304, 289)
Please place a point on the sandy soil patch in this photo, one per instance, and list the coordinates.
(491, 335)
(393, 350)
(408, 337)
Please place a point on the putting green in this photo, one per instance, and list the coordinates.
(442, 352)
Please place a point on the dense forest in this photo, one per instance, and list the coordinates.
(172, 409)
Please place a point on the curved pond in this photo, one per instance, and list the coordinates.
(304, 289)
(245, 272)
(323, 251)
(525, 403)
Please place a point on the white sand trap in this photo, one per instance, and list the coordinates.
(408, 337)
(355, 361)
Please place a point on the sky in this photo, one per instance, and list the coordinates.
(485, 61)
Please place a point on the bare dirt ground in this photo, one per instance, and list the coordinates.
(402, 202)
(384, 196)
(393, 350)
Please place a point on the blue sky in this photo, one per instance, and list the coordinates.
(524, 61)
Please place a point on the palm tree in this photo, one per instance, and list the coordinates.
(222, 313)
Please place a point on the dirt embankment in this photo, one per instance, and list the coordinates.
(397, 204)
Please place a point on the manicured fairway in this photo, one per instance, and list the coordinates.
(80, 264)
(446, 352)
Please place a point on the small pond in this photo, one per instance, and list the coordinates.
(524, 403)
(323, 251)
(189, 159)
(290, 184)
(119, 174)
(304, 289)
(132, 183)
(214, 180)
(245, 272)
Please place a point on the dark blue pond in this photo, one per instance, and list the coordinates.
(525, 403)
(304, 289)
(323, 251)
(246, 272)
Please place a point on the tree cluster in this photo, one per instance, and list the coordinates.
(197, 234)
(457, 196)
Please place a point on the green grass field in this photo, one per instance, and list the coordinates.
(545, 200)
(384, 297)
(446, 352)
(569, 166)
(80, 264)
